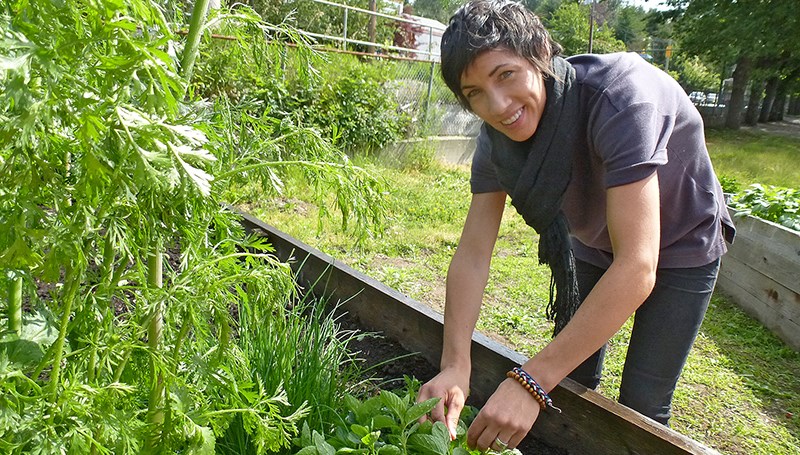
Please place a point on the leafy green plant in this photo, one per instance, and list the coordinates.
(300, 348)
(776, 204)
(729, 184)
(112, 204)
(387, 424)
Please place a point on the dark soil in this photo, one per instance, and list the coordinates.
(378, 352)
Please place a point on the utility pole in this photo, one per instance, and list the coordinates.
(591, 24)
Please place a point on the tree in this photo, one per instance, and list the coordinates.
(742, 34)
(629, 27)
(693, 74)
(441, 10)
(569, 25)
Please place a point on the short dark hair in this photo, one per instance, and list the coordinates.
(483, 25)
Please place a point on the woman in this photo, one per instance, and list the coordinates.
(604, 156)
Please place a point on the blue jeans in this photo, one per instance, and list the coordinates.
(664, 329)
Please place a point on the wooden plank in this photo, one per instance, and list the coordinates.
(760, 255)
(768, 248)
(777, 233)
(772, 304)
(589, 422)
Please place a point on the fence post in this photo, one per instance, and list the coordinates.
(344, 42)
(372, 25)
(430, 43)
(430, 90)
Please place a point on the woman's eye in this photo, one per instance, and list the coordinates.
(472, 93)
(505, 74)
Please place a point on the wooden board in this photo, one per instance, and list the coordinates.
(775, 306)
(589, 423)
(768, 248)
(761, 274)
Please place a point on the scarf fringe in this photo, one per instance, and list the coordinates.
(555, 250)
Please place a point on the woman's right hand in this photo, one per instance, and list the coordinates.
(452, 386)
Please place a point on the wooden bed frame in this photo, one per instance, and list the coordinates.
(589, 423)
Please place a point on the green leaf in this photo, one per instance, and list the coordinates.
(19, 255)
(351, 451)
(27, 349)
(383, 421)
(394, 403)
(14, 63)
(322, 446)
(426, 444)
(206, 444)
(351, 403)
(418, 410)
(201, 178)
(309, 450)
(439, 430)
(39, 329)
(359, 430)
(390, 449)
(305, 435)
(371, 438)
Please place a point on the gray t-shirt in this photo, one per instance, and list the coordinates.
(635, 120)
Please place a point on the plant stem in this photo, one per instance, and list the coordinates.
(58, 351)
(154, 332)
(193, 40)
(179, 341)
(224, 337)
(121, 366)
(15, 304)
(176, 359)
(92, 367)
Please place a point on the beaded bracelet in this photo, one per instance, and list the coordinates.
(532, 386)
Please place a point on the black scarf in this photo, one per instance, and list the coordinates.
(535, 173)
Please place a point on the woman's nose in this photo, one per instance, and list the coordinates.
(498, 103)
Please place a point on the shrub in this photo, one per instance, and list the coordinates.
(358, 110)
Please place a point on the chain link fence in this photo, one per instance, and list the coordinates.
(408, 46)
(421, 93)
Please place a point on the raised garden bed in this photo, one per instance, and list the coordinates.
(589, 423)
(761, 274)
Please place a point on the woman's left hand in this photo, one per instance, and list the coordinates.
(505, 419)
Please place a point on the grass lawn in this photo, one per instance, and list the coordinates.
(755, 157)
(739, 393)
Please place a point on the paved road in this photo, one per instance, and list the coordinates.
(789, 126)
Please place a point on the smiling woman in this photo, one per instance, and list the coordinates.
(604, 156)
(507, 91)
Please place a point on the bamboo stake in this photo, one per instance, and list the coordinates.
(155, 329)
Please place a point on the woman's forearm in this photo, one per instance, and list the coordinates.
(621, 290)
(465, 286)
(467, 277)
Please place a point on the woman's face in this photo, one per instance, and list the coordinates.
(506, 91)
